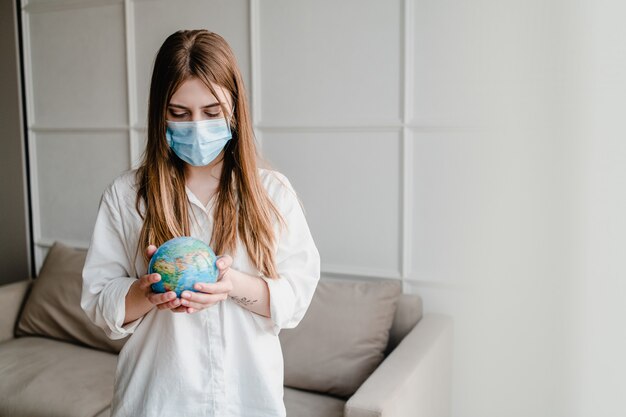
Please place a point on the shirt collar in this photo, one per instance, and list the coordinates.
(195, 200)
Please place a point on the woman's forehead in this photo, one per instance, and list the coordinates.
(193, 91)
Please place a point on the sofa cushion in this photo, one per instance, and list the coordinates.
(311, 404)
(53, 309)
(408, 313)
(45, 377)
(104, 413)
(11, 299)
(342, 337)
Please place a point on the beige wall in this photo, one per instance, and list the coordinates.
(14, 235)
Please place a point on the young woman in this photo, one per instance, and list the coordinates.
(215, 351)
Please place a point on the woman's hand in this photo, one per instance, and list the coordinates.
(209, 293)
(163, 301)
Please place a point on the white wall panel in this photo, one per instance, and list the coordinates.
(138, 145)
(78, 67)
(454, 193)
(73, 170)
(493, 244)
(330, 63)
(350, 185)
(156, 20)
(447, 63)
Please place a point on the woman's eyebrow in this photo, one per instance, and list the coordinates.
(185, 108)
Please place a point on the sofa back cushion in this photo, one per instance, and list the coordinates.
(408, 313)
(342, 337)
(52, 309)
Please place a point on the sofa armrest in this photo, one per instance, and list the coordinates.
(414, 380)
(11, 300)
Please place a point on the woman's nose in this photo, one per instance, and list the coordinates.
(197, 116)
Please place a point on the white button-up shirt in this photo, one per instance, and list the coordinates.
(222, 361)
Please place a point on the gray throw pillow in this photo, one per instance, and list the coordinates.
(52, 308)
(342, 338)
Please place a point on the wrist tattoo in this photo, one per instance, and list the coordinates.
(243, 300)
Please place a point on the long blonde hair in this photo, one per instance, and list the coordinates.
(242, 205)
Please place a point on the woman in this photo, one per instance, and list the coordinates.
(215, 351)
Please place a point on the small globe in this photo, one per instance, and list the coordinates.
(182, 262)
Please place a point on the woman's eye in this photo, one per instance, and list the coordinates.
(185, 114)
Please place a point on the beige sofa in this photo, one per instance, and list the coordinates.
(362, 350)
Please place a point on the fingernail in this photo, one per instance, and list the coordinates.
(198, 286)
(220, 264)
(185, 302)
(186, 294)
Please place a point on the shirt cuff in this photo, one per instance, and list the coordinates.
(114, 308)
(282, 304)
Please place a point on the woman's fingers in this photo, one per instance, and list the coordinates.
(163, 301)
(150, 250)
(193, 305)
(148, 279)
(179, 309)
(209, 294)
(169, 304)
(201, 300)
(160, 298)
(214, 287)
(223, 264)
(224, 261)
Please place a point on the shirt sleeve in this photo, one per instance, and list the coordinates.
(106, 279)
(298, 266)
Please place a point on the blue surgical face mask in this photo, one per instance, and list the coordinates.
(198, 142)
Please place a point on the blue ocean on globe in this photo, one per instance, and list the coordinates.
(181, 262)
